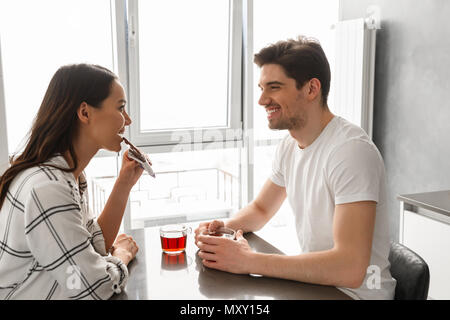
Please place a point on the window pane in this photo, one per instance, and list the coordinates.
(183, 63)
(190, 185)
(37, 38)
(288, 19)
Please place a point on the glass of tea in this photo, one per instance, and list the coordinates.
(173, 238)
(222, 232)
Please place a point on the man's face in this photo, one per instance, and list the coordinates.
(284, 103)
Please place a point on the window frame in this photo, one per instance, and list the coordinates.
(234, 103)
(4, 157)
(240, 95)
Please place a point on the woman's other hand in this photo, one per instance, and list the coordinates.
(125, 248)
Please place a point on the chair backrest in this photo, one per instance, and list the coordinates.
(410, 271)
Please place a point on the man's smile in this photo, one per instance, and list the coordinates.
(273, 111)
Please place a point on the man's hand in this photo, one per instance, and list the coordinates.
(225, 254)
(210, 227)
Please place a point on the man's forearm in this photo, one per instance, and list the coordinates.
(258, 212)
(111, 216)
(250, 218)
(328, 267)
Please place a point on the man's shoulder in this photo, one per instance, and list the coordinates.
(344, 131)
(349, 136)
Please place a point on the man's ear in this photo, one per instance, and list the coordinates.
(314, 87)
(84, 113)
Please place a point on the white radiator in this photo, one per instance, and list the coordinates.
(354, 72)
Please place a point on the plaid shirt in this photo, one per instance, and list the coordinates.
(50, 245)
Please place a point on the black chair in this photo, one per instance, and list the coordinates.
(410, 271)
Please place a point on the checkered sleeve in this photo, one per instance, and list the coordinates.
(97, 239)
(65, 248)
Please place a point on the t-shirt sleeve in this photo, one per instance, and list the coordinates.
(65, 248)
(277, 175)
(355, 171)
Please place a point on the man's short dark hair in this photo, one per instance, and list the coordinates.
(302, 59)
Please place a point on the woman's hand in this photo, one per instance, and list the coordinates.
(125, 248)
(111, 217)
(130, 172)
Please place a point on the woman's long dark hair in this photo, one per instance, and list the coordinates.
(56, 122)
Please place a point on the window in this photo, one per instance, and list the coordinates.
(184, 92)
(3, 132)
(37, 38)
(189, 186)
(184, 69)
(182, 65)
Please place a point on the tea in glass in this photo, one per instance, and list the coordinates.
(173, 238)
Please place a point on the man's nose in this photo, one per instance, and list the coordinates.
(264, 100)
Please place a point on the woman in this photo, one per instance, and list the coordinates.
(50, 245)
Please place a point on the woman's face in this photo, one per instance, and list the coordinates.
(109, 121)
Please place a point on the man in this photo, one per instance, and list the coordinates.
(332, 175)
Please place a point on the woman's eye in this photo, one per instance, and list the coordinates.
(121, 108)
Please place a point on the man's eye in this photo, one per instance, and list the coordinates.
(274, 87)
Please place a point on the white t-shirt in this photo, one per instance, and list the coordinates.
(341, 166)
